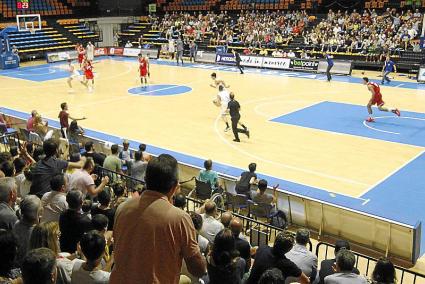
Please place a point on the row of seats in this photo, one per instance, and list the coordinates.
(380, 4)
(81, 31)
(47, 39)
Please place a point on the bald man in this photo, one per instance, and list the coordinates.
(211, 226)
(225, 219)
(241, 244)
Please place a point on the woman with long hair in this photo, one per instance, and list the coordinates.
(46, 235)
(224, 264)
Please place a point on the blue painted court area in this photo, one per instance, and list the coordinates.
(160, 90)
(349, 119)
(39, 73)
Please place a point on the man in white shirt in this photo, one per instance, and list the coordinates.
(83, 180)
(211, 226)
(54, 202)
(223, 99)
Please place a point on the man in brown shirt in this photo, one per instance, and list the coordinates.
(151, 235)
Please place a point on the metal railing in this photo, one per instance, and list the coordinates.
(363, 260)
(8, 140)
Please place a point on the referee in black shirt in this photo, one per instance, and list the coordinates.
(237, 60)
(234, 108)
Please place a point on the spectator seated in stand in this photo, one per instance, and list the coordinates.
(384, 272)
(246, 180)
(302, 257)
(326, 266)
(8, 196)
(345, 261)
(211, 226)
(104, 207)
(9, 271)
(208, 175)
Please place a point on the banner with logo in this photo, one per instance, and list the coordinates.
(133, 52)
(61, 55)
(100, 51)
(116, 51)
(276, 63)
(304, 64)
(252, 61)
(225, 58)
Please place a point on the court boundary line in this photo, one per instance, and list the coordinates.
(392, 173)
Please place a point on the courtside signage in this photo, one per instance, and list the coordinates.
(298, 64)
(133, 52)
(225, 58)
(276, 63)
(252, 61)
(61, 56)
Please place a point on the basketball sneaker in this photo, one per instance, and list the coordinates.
(370, 119)
(396, 112)
(226, 129)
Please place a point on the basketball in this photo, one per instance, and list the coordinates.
(216, 103)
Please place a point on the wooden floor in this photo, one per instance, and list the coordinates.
(189, 122)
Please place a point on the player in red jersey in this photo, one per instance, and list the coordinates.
(376, 99)
(88, 75)
(81, 54)
(144, 70)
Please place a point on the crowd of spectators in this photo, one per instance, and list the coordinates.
(74, 227)
(370, 33)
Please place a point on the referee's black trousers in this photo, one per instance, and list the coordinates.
(235, 129)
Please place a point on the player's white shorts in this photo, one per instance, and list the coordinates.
(74, 75)
(90, 57)
(223, 110)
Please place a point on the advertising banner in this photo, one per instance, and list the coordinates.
(100, 51)
(133, 52)
(304, 64)
(61, 55)
(276, 63)
(225, 58)
(421, 74)
(116, 51)
(252, 61)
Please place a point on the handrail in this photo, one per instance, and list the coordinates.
(370, 259)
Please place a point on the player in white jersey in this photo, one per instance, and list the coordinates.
(217, 82)
(73, 74)
(223, 99)
(90, 51)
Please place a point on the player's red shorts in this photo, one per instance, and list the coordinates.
(377, 100)
(89, 75)
(80, 58)
(143, 72)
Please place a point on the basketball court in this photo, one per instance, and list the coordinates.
(308, 135)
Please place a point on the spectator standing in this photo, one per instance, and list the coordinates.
(30, 121)
(104, 207)
(90, 271)
(31, 210)
(138, 166)
(152, 219)
(83, 180)
(46, 168)
(113, 162)
(125, 155)
(8, 253)
(39, 267)
(8, 196)
(389, 66)
(329, 60)
(73, 224)
(179, 50)
(54, 202)
(98, 158)
(63, 119)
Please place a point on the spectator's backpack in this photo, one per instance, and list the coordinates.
(279, 219)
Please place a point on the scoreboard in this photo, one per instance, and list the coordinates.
(23, 4)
